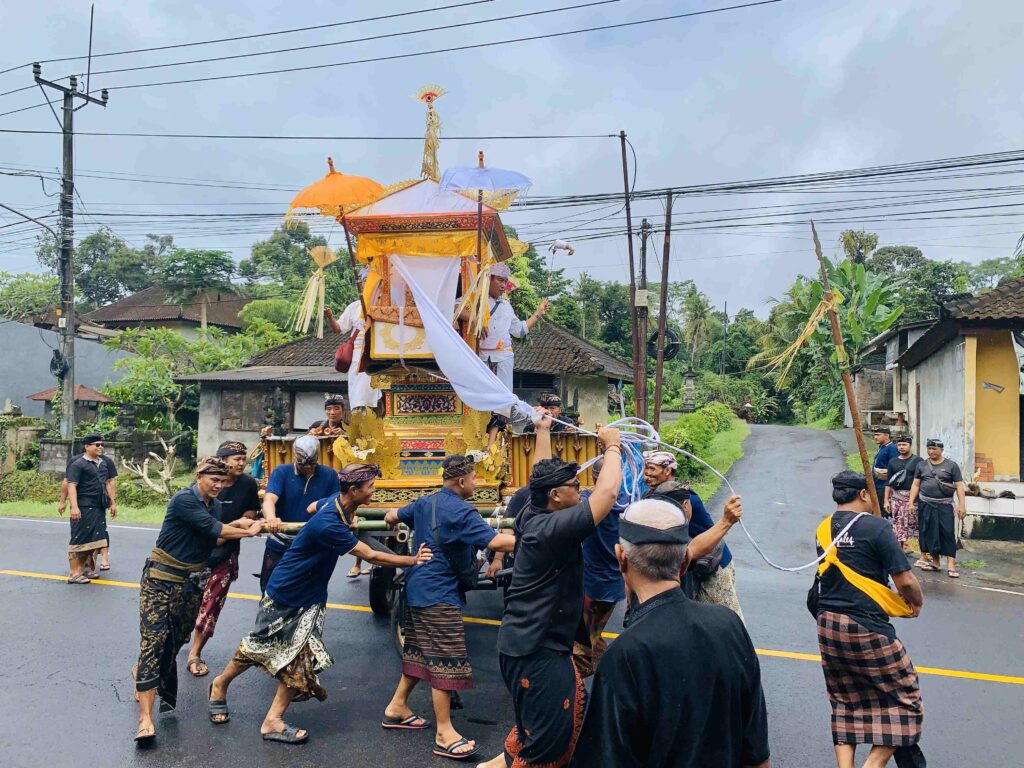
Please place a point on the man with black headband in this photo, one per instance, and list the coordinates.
(435, 639)
(543, 606)
(334, 410)
(681, 686)
(938, 485)
(238, 498)
(89, 485)
(172, 586)
(287, 641)
(871, 684)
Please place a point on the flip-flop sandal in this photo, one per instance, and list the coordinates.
(405, 724)
(105, 567)
(928, 567)
(92, 575)
(144, 739)
(452, 755)
(953, 574)
(354, 573)
(218, 707)
(193, 665)
(290, 735)
(81, 579)
(365, 571)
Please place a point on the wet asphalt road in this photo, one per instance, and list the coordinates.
(66, 652)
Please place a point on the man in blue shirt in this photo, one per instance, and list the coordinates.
(288, 639)
(291, 488)
(435, 639)
(602, 581)
(886, 453)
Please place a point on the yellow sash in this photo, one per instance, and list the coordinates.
(887, 600)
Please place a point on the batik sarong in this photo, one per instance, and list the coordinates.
(215, 595)
(88, 533)
(871, 683)
(549, 698)
(904, 519)
(719, 588)
(288, 644)
(587, 655)
(435, 647)
(938, 529)
(167, 613)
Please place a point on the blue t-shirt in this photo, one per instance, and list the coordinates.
(885, 454)
(601, 577)
(301, 578)
(460, 528)
(295, 493)
(701, 521)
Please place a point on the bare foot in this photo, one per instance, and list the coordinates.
(497, 762)
(453, 737)
(146, 730)
(400, 712)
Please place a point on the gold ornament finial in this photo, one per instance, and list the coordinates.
(428, 94)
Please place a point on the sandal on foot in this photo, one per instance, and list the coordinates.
(194, 670)
(405, 724)
(928, 567)
(105, 567)
(218, 708)
(145, 739)
(953, 574)
(354, 572)
(290, 735)
(80, 579)
(450, 752)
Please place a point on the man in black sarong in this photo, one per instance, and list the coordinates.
(90, 489)
(172, 586)
(681, 687)
(543, 608)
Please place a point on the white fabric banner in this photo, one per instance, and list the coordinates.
(472, 380)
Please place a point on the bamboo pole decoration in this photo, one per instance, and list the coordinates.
(379, 525)
(355, 269)
(844, 369)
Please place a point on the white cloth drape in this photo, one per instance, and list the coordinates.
(472, 380)
(361, 393)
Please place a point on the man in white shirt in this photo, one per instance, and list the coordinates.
(496, 344)
(361, 393)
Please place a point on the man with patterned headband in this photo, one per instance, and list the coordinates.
(334, 410)
(239, 498)
(435, 638)
(652, 704)
(287, 641)
(543, 606)
(172, 586)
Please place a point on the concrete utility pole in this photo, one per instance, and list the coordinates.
(637, 341)
(65, 269)
(642, 308)
(659, 368)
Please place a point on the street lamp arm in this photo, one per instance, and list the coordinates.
(34, 221)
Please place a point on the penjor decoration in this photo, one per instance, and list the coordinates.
(428, 94)
(313, 297)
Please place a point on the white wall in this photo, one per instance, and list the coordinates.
(941, 380)
(593, 402)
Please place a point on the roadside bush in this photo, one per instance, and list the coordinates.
(718, 415)
(132, 492)
(29, 458)
(692, 432)
(29, 485)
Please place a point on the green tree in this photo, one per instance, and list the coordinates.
(857, 245)
(922, 284)
(988, 273)
(189, 276)
(280, 313)
(26, 295)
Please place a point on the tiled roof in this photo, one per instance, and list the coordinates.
(279, 374)
(1003, 303)
(151, 305)
(549, 349)
(82, 393)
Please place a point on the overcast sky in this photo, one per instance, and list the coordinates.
(794, 87)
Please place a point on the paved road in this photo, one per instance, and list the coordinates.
(66, 652)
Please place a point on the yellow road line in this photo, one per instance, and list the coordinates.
(937, 671)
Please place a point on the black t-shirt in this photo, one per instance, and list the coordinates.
(937, 479)
(897, 465)
(544, 602)
(241, 497)
(870, 548)
(90, 479)
(190, 528)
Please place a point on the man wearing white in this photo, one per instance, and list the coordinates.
(496, 345)
(361, 393)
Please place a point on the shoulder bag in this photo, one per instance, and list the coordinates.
(466, 577)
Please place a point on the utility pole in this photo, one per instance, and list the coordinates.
(659, 369)
(642, 307)
(725, 342)
(844, 369)
(65, 270)
(627, 192)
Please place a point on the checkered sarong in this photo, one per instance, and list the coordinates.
(871, 684)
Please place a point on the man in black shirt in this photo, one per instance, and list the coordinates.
(870, 680)
(240, 497)
(334, 410)
(681, 687)
(900, 477)
(89, 487)
(172, 586)
(938, 484)
(544, 605)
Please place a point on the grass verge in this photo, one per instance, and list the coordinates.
(148, 515)
(726, 448)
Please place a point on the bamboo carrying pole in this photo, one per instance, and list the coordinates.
(844, 369)
(380, 525)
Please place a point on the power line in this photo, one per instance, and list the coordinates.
(310, 137)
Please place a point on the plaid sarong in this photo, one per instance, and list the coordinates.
(904, 519)
(435, 647)
(215, 594)
(871, 683)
